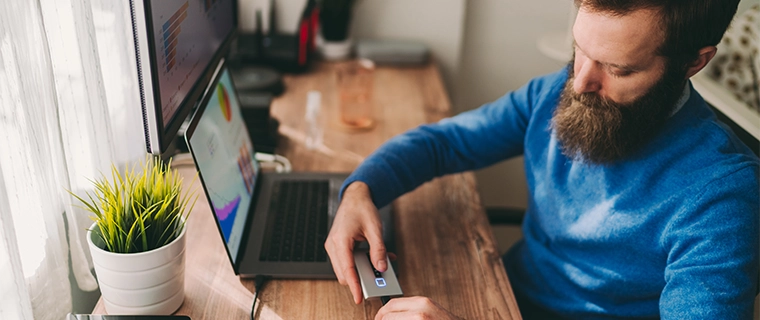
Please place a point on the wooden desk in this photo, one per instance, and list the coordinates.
(445, 247)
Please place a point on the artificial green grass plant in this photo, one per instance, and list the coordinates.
(139, 211)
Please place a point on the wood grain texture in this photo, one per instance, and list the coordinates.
(445, 247)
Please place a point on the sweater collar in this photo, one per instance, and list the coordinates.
(684, 97)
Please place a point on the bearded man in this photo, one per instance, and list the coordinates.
(642, 205)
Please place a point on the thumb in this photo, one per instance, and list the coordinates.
(377, 252)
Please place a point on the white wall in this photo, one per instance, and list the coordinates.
(287, 14)
(439, 24)
(500, 55)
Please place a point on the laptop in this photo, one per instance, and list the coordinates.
(272, 224)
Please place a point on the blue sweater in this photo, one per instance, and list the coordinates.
(671, 232)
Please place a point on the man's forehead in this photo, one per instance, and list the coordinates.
(629, 40)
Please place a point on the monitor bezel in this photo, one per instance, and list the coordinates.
(158, 137)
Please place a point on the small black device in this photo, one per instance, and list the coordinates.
(73, 316)
(289, 52)
(257, 79)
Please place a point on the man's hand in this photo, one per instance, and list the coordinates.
(413, 308)
(356, 220)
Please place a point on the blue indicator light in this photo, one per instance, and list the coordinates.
(380, 282)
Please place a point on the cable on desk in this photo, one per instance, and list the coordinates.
(274, 161)
(258, 284)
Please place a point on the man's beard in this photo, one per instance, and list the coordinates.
(600, 131)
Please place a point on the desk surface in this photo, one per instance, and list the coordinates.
(445, 247)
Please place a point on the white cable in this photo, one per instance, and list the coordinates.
(285, 163)
(274, 161)
(265, 157)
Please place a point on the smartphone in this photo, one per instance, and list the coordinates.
(72, 316)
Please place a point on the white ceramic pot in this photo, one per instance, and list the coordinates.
(336, 50)
(145, 283)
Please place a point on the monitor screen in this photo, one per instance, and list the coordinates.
(223, 152)
(178, 44)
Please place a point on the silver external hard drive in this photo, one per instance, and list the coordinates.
(375, 284)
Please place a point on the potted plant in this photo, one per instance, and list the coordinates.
(334, 21)
(137, 240)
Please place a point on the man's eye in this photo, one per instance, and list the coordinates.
(617, 73)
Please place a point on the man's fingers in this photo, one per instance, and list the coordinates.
(352, 279)
(395, 316)
(342, 258)
(377, 251)
(356, 214)
(334, 261)
(338, 273)
(396, 305)
(407, 303)
(412, 308)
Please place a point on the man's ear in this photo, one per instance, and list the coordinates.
(705, 55)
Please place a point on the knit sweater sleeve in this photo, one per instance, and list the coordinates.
(468, 141)
(712, 265)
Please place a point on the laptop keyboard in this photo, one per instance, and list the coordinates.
(297, 224)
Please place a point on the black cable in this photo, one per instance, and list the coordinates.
(385, 299)
(258, 285)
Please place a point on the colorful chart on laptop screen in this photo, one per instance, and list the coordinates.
(226, 211)
(223, 152)
(224, 101)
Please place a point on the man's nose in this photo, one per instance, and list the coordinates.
(587, 78)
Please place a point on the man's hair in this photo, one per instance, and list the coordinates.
(688, 25)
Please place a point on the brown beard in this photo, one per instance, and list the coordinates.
(598, 130)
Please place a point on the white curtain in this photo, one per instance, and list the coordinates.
(69, 108)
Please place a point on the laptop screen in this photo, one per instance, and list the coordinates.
(223, 153)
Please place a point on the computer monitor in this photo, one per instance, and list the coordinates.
(178, 44)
